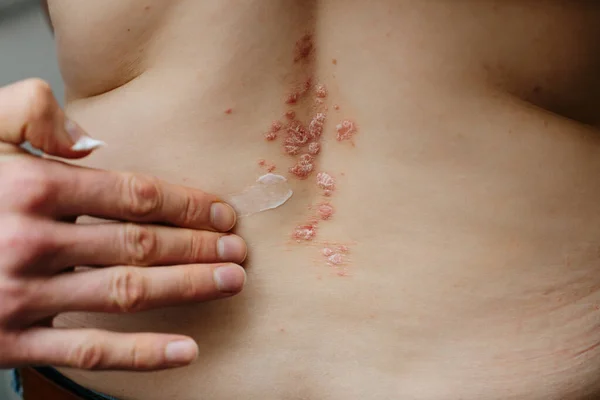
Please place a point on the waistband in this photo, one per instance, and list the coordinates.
(46, 383)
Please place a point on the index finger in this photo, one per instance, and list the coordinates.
(30, 113)
(137, 198)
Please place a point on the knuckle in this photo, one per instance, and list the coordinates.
(37, 85)
(15, 234)
(193, 207)
(190, 289)
(137, 358)
(142, 195)
(40, 101)
(200, 247)
(16, 300)
(13, 352)
(87, 354)
(29, 185)
(128, 290)
(7, 344)
(141, 244)
(21, 241)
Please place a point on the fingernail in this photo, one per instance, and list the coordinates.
(181, 352)
(82, 141)
(231, 248)
(222, 216)
(229, 278)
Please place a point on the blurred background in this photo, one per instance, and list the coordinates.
(26, 50)
(26, 44)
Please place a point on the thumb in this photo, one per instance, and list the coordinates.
(30, 113)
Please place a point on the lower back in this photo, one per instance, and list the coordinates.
(460, 259)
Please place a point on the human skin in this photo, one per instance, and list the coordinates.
(41, 198)
(467, 199)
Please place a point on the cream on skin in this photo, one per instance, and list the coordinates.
(270, 191)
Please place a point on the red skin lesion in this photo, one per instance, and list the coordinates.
(325, 211)
(337, 259)
(229, 111)
(315, 128)
(302, 139)
(299, 92)
(325, 181)
(307, 85)
(304, 47)
(272, 133)
(345, 130)
(321, 91)
(303, 167)
(269, 167)
(292, 98)
(291, 149)
(270, 136)
(342, 272)
(276, 126)
(304, 232)
(296, 134)
(314, 148)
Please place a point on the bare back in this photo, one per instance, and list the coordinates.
(458, 255)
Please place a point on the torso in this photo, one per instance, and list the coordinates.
(468, 199)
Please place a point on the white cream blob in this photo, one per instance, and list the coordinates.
(270, 191)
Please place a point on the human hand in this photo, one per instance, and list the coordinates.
(139, 264)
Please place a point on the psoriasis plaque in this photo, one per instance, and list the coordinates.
(300, 130)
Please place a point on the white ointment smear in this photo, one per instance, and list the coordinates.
(270, 191)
